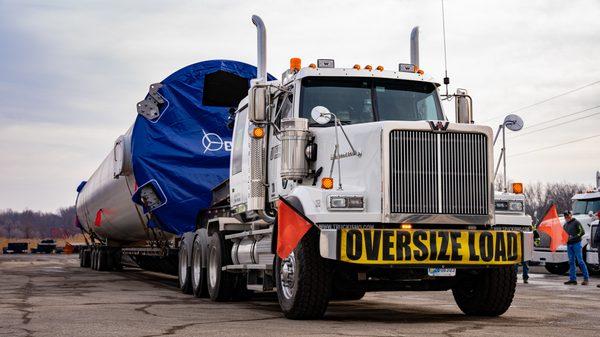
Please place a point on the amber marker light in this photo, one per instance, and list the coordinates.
(380, 68)
(517, 188)
(327, 183)
(368, 67)
(312, 65)
(295, 64)
(356, 66)
(258, 132)
(406, 226)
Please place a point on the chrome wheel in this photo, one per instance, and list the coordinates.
(213, 266)
(196, 265)
(182, 267)
(287, 275)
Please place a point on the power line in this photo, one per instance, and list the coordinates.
(553, 126)
(545, 100)
(561, 117)
(553, 146)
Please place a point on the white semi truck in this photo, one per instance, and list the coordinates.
(586, 209)
(510, 212)
(360, 164)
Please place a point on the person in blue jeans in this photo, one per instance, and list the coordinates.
(525, 266)
(575, 231)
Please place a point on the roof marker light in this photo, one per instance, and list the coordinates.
(407, 68)
(326, 63)
(295, 64)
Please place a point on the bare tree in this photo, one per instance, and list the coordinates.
(541, 195)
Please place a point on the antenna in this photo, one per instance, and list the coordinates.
(446, 78)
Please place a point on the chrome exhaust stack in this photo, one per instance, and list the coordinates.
(414, 46)
(261, 31)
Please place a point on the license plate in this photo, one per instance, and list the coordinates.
(445, 272)
(429, 247)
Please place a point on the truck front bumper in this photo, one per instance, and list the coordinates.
(426, 247)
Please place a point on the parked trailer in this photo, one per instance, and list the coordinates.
(16, 248)
(334, 182)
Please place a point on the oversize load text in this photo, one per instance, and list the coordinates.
(399, 246)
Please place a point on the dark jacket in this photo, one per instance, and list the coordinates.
(575, 231)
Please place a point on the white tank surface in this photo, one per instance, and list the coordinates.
(104, 204)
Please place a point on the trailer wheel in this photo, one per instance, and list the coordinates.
(303, 280)
(198, 271)
(219, 282)
(184, 273)
(84, 258)
(102, 256)
(94, 259)
(557, 268)
(488, 293)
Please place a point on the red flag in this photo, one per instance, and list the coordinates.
(291, 227)
(98, 220)
(551, 225)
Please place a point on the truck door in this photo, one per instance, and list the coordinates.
(238, 175)
(283, 109)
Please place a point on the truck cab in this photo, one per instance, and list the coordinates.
(347, 180)
(510, 212)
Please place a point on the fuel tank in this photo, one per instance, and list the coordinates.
(160, 173)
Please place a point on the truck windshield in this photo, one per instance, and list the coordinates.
(585, 206)
(361, 100)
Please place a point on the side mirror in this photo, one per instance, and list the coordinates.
(257, 104)
(321, 115)
(463, 106)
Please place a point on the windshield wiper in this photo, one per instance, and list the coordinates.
(331, 123)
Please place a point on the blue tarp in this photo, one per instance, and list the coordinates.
(184, 153)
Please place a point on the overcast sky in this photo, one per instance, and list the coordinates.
(72, 71)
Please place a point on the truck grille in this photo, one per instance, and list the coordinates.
(438, 173)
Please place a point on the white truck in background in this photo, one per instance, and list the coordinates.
(586, 209)
(510, 212)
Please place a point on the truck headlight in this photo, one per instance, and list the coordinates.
(515, 206)
(349, 202)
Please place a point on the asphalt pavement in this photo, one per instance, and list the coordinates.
(50, 295)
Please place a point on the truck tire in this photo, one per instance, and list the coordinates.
(557, 268)
(303, 280)
(102, 256)
(94, 259)
(86, 258)
(220, 283)
(198, 271)
(184, 272)
(489, 293)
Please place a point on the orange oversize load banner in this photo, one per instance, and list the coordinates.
(430, 247)
(551, 225)
(291, 227)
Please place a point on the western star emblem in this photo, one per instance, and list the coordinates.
(438, 126)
